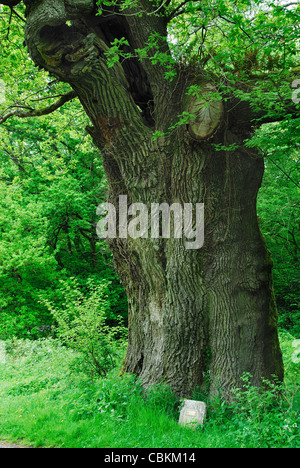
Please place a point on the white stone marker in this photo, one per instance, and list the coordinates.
(192, 414)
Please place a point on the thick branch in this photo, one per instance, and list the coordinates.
(178, 11)
(242, 115)
(248, 109)
(74, 52)
(39, 112)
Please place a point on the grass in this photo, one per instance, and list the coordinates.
(47, 402)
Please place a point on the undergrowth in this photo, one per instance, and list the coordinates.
(44, 402)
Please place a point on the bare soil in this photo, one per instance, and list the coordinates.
(4, 444)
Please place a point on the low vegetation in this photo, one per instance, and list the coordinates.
(48, 400)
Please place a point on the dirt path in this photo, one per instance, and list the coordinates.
(4, 444)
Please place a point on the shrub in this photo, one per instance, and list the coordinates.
(263, 415)
(258, 416)
(82, 325)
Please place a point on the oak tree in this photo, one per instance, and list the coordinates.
(172, 90)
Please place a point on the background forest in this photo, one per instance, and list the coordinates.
(51, 184)
(52, 180)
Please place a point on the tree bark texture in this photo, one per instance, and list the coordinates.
(197, 318)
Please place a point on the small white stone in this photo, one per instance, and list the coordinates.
(193, 413)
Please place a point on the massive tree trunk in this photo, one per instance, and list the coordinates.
(201, 317)
(197, 317)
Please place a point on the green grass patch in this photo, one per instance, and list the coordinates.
(47, 402)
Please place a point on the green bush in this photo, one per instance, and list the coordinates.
(82, 326)
(262, 416)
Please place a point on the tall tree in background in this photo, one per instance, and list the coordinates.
(183, 71)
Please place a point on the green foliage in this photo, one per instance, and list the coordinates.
(235, 39)
(278, 212)
(51, 182)
(82, 325)
(248, 48)
(258, 418)
(115, 52)
(262, 416)
(49, 192)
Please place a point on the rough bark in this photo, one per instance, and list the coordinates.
(196, 317)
